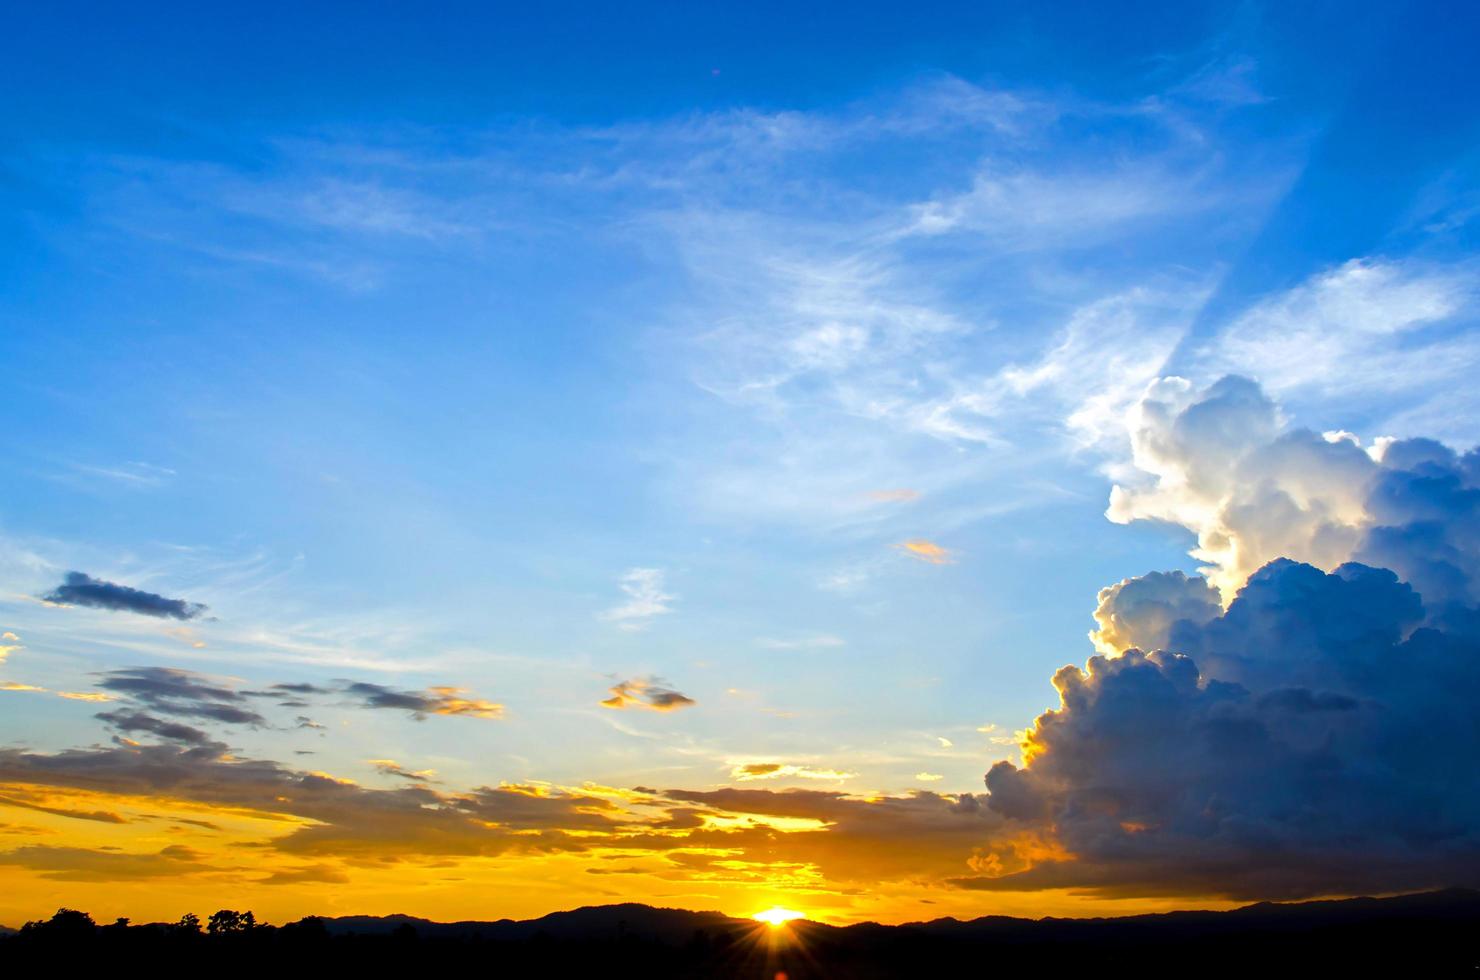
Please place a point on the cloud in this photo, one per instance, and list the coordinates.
(926, 551)
(98, 816)
(929, 777)
(135, 722)
(9, 643)
(1349, 330)
(1301, 743)
(133, 475)
(1220, 462)
(1140, 612)
(171, 691)
(645, 599)
(390, 767)
(752, 771)
(310, 874)
(90, 696)
(816, 641)
(79, 864)
(433, 701)
(646, 692)
(79, 589)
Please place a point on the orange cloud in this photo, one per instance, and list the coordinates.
(451, 702)
(650, 693)
(926, 551)
(750, 771)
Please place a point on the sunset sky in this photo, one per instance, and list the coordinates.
(474, 461)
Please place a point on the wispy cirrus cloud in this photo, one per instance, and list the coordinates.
(647, 599)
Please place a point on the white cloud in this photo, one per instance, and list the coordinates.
(646, 599)
(1350, 331)
(815, 641)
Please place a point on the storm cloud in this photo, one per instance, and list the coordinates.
(80, 589)
(1311, 737)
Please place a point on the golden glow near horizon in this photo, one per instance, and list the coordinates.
(776, 916)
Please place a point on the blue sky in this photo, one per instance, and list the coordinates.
(783, 356)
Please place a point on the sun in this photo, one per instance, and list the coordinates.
(776, 916)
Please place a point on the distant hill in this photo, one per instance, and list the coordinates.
(633, 920)
(591, 922)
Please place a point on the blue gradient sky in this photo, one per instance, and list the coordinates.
(404, 340)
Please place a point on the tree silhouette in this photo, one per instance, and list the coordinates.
(229, 921)
(66, 925)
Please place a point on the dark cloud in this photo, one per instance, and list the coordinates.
(1306, 742)
(79, 589)
(1425, 513)
(100, 816)
(390, 767)
(171, 691)
(135, 722)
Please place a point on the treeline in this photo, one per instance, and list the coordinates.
(1427, 935)
(235, 941)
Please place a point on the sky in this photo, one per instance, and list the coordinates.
(479, 461)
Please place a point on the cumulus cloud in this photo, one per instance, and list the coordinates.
(1221, 462)
(1305, 739)
(9, 643)
(646, 692)
(79, 589)
(646, 598)
(1303, 742)
(1139, 612)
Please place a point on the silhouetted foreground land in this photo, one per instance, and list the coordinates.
(1432, 934)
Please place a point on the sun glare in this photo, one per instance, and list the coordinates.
(777, 916)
